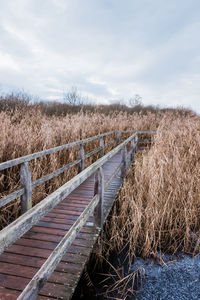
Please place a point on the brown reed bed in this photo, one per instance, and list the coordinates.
(158, 209)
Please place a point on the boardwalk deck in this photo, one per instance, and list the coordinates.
(20, 262)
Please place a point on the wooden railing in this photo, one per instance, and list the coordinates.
(20, 226)
(25, 192)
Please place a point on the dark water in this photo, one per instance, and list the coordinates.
(99, 282)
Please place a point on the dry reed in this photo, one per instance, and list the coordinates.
(159, 204)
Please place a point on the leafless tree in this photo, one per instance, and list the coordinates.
(135, 100)
(73, 97)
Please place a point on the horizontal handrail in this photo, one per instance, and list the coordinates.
(21, 225)
(138, 131)
(29, 157)
(11, 197)
(55, 173)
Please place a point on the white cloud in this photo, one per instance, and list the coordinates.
(108, 49)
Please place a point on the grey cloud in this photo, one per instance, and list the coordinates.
(109, 49)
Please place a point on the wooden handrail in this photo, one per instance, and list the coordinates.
(23, 161)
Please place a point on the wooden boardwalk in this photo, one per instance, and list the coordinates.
(20, 262)
(43, 253)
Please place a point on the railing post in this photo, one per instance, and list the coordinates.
(118, 136)
(124, 162)
(136, 143)
(101, 144)
(99, 190)
(81, 154)
(26, 183)
(133, 147)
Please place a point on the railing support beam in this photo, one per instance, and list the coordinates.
(26, 183)
(101, 144)
(81, 154)
(118, 137)
(99, 190)
(124, 162)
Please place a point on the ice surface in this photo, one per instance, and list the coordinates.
(177, 279)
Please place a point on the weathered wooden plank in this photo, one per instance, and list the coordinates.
(28, 272)
(101, 144)
(37, 261)
(92, 153)
(84, 240)
(8, 294)
(26, 184)
(9, 198)
(108, 182)
(57, 231)
(118, 136)
(99, 191)
(81, 154)
(51, 290)
(55, 173)
(124, 162)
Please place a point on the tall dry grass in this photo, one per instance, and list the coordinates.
(28, 130)
(159, 204)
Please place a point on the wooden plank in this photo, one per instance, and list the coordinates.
(50, 290)
(66, 207)
(29, 272)
(59, 232)
(49, 245)
(26, 184)
(92, 153)
(9, 198)
(81, 154)
(124, 162)
(8, 294)
(37, 261)
(101, 144)
(55, 173)
(99, 191)
(45, 253)
(113, 176)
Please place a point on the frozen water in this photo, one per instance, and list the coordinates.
(177, 279)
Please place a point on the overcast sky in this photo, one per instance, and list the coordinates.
(108, 49)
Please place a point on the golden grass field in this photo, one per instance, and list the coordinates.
(159, 204)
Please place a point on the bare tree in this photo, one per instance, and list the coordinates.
(134, 101)
(72, 97)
